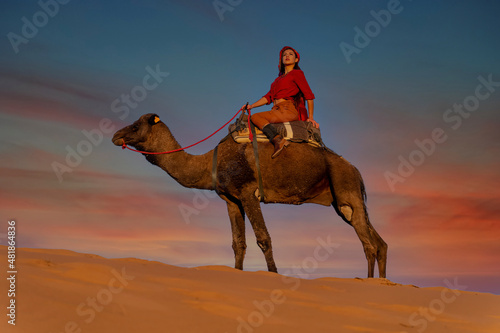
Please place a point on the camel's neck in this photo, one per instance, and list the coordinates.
(193, 171)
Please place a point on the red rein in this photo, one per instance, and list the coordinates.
(124, 145)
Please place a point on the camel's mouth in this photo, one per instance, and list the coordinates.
(117, 139)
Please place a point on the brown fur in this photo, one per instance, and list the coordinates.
(301, 174)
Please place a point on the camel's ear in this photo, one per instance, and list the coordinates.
(154, 119)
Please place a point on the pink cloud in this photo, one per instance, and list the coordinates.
(55, 112)
(78, 90)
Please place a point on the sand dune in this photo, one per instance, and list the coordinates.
(63, 291)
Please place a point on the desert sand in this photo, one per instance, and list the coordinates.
(63, 291)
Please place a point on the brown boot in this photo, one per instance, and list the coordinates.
(279, 144)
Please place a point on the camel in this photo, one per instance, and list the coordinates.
(301, 174)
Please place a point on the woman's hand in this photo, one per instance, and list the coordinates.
(247, 106)
(315, 124)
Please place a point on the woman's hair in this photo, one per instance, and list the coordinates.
(298, 99)
(282, 66)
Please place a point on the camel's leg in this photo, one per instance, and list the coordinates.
(354, 212)
(381, 250)
(251, 205)
(237, 217)
(348, 192)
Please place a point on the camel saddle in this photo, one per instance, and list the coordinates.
(293, 131)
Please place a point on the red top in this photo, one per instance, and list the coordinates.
(289, 85)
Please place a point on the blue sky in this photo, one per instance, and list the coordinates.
(441, 222)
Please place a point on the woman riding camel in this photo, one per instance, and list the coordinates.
(287, 93)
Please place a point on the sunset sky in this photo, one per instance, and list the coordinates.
(409, 92)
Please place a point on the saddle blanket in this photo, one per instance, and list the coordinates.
(294, 131)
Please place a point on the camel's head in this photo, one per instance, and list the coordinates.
(138, 132)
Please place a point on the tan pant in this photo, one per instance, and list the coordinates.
(280, 113)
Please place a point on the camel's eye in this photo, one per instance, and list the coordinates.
(135, 127)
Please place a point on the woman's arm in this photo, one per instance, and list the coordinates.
(260, 102)
(310, 107)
